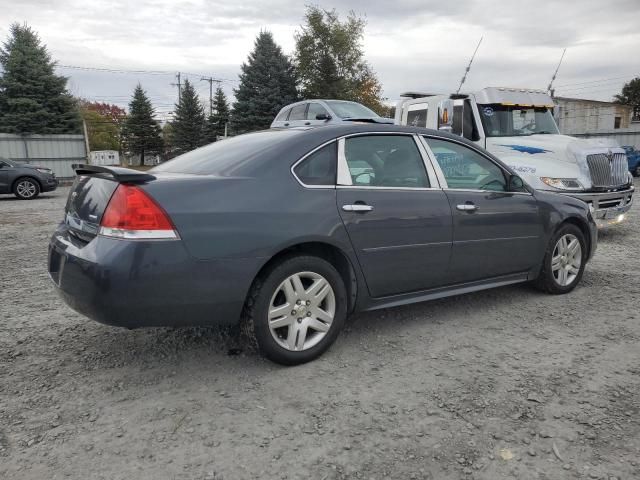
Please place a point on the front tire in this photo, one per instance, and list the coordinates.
(296, 311)
(564, 261)
(26, 188)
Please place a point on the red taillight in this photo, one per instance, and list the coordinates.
(132, 213)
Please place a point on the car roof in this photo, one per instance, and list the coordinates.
(309, 100)
(335, 130)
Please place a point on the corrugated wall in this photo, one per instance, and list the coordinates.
(57, 152)
(622, 137)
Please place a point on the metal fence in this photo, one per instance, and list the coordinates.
(57, 152)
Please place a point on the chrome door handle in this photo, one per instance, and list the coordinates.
(467, 207)
(358, 207)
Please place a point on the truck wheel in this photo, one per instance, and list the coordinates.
(296, 311)
(564, 261)
(26, 188)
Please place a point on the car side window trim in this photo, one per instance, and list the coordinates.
(344, 176)
(307, 155)
(440, 173)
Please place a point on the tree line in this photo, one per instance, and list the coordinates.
(328, 62)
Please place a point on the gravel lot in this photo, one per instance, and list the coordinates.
(508, 383)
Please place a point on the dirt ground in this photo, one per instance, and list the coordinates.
(507, 383)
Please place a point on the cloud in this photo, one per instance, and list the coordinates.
(411, 44)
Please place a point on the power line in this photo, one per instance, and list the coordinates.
(138, 72)
(597, 81)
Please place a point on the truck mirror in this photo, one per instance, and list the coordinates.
(445, 115)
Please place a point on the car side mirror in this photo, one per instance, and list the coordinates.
(516, 184)
(323, 116)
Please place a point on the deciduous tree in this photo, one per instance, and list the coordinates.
(104, 123)
(330, 62)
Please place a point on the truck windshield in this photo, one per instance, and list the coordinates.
(511, 121)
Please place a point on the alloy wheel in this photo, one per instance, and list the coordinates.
(26, 189)
(566, 260)
(301, 311)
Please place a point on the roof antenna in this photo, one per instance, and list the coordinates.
(469, 66)
(550, 87)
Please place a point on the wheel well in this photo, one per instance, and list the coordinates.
(583, 228)
(331, 254)
(13, 185)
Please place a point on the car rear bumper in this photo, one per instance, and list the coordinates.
(145, 283)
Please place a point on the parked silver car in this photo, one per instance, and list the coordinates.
(321, 112)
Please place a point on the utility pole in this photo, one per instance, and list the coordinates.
(210, 80)
(550, 87)
(86, 141)
(179, 85)
(464, 78)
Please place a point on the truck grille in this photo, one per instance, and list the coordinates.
(607, 171)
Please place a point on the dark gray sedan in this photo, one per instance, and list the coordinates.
(289, 231)
(24, 180)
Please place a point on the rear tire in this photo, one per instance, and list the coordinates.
(26, 188)
(296, 311)
(564, 261)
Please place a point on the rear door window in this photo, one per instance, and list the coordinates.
(298, 112)
(283, 115)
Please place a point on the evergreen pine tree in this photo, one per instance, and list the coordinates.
(33, 99)
(189, 121)
(142, 132)
(219, 117)
(267, 83)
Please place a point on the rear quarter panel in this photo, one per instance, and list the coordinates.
(248, 217)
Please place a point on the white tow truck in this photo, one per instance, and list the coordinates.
(518, 127)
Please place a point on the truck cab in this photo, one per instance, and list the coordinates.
(518, 127)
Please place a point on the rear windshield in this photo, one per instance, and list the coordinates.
(224, 157)
(350, 109)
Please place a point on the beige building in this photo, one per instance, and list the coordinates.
(593, 118)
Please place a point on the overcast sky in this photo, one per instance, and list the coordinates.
(411, 44)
